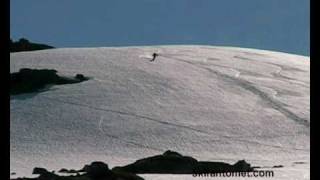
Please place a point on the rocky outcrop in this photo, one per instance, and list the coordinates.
(40, 171)
(25, 45)
(71, 171)
(174, 163)
(32, 80)
(94, 171)
(98, 170)
(169, 162)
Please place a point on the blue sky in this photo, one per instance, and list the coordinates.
(280, 25)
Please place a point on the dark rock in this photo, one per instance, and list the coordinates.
(241, 166)
(277, 166)
(215, 167)
(32, 80)
(100, 170)
(81, 77)
(50, 176)
(167, 163)
(97, 170)
(174, 163)
(212, 167)
(256, 167)
(94, 171)
(172, 153)
(44, 174)
(63, 170)
(71, 171)
(38, 170)
(25, 45)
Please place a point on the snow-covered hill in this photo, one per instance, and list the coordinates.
(212, 103)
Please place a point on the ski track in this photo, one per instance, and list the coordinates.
(250, 87)
(280, 69)
(171, 124)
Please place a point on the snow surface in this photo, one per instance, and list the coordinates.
(212, 103)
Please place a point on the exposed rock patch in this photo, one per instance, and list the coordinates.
(174, 163)
(278, 166)
(32, 80)
(94, 171)
(71, 171)
(169, 162)
(25, 45)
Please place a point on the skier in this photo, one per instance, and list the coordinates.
(154, 55)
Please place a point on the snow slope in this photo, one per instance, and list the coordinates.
(212, 103)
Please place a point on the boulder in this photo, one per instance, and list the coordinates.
(241, 166)
(38, 170)
(98, 170)
(80, 77)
